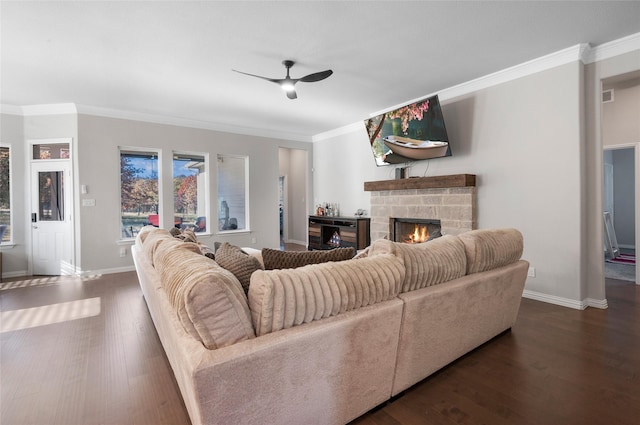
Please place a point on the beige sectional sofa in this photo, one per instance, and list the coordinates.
(324, 343)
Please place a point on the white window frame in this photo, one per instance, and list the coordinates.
(205, 189)
(10, 242)
(247, 227)
(158, 152)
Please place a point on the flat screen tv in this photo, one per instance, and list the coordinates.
(413, 132)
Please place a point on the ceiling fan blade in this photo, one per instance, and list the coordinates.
(318, 76)
(292, 94)
(273, 80)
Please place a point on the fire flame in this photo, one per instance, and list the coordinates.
(420, 234)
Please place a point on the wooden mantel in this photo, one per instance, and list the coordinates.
(435, 182)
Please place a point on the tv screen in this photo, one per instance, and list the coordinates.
(411, 133)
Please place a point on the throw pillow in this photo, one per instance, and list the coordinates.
(238, 262)
(207, 252)
(276, 259)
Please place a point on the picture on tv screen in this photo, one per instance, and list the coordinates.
(411, 133)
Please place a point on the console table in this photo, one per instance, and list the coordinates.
(332, 232)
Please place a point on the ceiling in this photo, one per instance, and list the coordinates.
(175, 59)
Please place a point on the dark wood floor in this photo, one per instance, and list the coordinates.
(106, 366)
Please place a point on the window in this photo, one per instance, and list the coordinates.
(139, 197)
(5, 195)
(189, 191)
(51, 151)
(233, 189)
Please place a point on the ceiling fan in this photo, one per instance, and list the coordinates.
(288, 83)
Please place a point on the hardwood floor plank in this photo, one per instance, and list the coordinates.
(556, 366)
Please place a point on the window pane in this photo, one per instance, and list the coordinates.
(139, 198)
(5, 196)
(51, 151)
(232, 190)
(189, 175)
(51, 196)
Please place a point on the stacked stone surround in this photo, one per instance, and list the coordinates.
(455, 207)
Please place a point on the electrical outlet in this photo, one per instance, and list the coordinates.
(531, 272)
(123, 251)
(254, 240)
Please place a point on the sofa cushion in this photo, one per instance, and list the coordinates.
(238, 262)
(208, 300)
(151, 241)
(488, 249)
(280, 299)
(428, 263)
(276, 259)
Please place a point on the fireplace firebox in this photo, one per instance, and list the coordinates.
(413, 230)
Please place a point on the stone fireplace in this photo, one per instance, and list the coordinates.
(451, 200)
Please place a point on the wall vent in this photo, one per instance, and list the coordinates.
(607, 96)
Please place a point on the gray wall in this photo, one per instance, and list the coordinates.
(523, 141)
(17, 131)
(595, 73)
(96, 165)
(99, 170)
(14, 258)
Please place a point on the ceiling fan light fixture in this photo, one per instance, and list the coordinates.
(287, 86)
(287, 83)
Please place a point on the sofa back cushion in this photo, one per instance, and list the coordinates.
(276, 259)
(428, 263)
(151, 239)
(208, 300)
(280, 299)
(488, 249)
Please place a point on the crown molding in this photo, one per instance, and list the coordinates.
(613, 48)
(580, 52)
(534, 66)
(543, 63)
(10, 109)
(184, 122)
(51, 109)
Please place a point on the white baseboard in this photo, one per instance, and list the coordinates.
(296, 242)
(85, 273)
(18, 273)
(565, 302)
(74, 272)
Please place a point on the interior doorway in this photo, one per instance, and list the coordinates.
(619, 190)
(282, 201)
(293, 209)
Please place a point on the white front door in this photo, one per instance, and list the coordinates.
(51, 228)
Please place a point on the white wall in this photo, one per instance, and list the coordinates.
(523, 140)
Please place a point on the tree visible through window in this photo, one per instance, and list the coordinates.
(189, 193)
(139, 196)
(5, 196)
